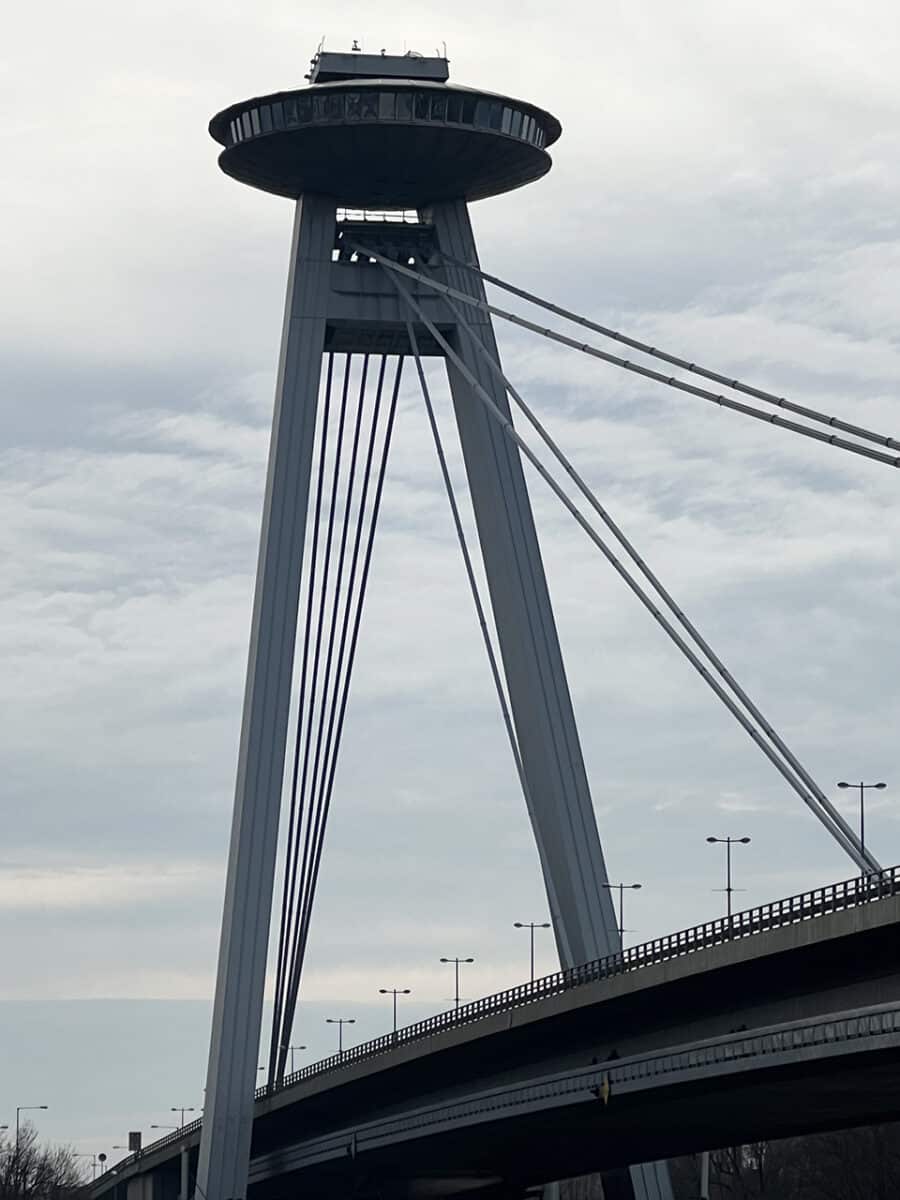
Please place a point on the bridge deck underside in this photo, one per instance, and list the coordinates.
(510, 1153)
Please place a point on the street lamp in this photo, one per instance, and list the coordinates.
(622, 888)
(93, 1158)
(182, 1109)
(863, 787)
(728, 842)
(456, 962)
(531, 926)
(292, 1049)
(340, 1022)
(25, 1108)
(395, 992)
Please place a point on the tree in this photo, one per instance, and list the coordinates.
(30, 1171)
(853, 1164)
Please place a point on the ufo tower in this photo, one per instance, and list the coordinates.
(381, 153)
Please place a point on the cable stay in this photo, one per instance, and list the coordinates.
(653, 579)
(296, 803)
(671, 381)
(829, 817)
(675, 361)
(470, 572)
(333, 608)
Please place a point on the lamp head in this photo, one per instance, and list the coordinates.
(636, 886)
(745, 841)
(880, 786)
(712, 839)
(844, 784)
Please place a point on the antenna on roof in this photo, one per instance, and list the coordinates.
(356, 46)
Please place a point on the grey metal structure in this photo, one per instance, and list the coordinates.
(418, 143)
(812, 959)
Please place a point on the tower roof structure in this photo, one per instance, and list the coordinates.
(404, 138)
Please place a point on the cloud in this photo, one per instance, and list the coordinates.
(726, 187)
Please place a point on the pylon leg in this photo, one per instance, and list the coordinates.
(561, 810)
(240, 984)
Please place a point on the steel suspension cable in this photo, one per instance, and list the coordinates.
(315, 829)
(660, 589)
(296, 809)
(781, 766)
(646, 372)
(685, 364)
(301, 835)
(319, 781)
(326, 696)
(357, 617)
(470, 573)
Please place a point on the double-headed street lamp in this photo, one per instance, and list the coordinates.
(728, 842)
(622, 888)
(395, 992)
(863, 788)
(26, 1108)
(182, 1109)
(456, 962)
(340, 1022)
(531, 926)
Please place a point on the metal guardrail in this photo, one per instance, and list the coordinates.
(806, 906)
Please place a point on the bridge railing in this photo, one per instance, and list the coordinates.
(850, 893)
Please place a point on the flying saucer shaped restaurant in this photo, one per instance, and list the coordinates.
(385, 142)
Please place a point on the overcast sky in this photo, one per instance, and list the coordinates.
(727, 186)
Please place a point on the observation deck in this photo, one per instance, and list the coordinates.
(403, 138)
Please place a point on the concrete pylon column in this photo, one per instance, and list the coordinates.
(561, 810)
(240, 984)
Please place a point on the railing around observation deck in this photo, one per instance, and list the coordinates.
(835, 897)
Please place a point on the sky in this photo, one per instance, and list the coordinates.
(726, 186)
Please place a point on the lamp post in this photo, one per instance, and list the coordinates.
(340, 1022)
(456, 962)
(93, 1158)
(25, 1108)
(395, 992)
(531, 926)
(292, 1049)
(181, 1109)
(622, 888)
(863, 787)
(728, 842)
